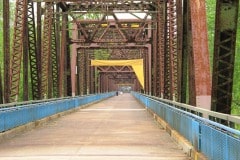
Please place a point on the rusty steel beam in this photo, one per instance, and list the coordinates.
(46, 49)
(82, 72)
(6, 50)
(68, 87)
(188, 53)
(1, 86)
(92, 77)
(155, 56)
(104, 30)
(90, 5)
(87, 73)
(100, 82)
(19, 28)
(167, 59)
(171, 76)
(146, 61)
(92, 80)
(79, 76)
(173, 46)
(34, 57)
(62, 56)
(115, 69)
(200, 66)
(125, 23)
(39, 47)
(154, 62)
(55, 60)
(25, 64)
(58, 47)
(179, 56)
(185, 51)
(161, 46)
(107, 46)
(97, 80)
(117, 7)
(224, 55)
(74, 60)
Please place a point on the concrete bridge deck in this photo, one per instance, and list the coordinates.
(116, 128)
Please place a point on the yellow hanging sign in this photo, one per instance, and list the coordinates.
(137, 65)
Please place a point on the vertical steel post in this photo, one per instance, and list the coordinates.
(25, 62)
(19, 28)
(185, 51)
(58, 51)
(39, 47)
(68, 88)
(171, 61)
(62, 56)
(173, 46)
(1, 86)
(55, 59)
(200, 63)
(34, 56)
(224, 54)
(145, 62)
(74, 59)
(188, 53)
(87, 73)
(155, 55)
(180, 64)
(6, 50)
(92, 77)
(46, 48)
(162, 44)
(81, 72)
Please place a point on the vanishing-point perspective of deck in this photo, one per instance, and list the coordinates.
(119, 79)
(116, 128)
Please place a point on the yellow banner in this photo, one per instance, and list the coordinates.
(137, 65)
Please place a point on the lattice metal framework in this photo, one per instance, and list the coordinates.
(82, 72)
(224, 55)
(55, 61)
(6, 50)
(46, 48)
(170, 89)
(153, 32)
(19, 29)
(34, 57)
(162, 6)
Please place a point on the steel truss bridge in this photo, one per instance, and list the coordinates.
(58, 38)
(54, 42)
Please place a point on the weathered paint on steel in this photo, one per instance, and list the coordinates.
(201, 62)
(6, 50)
(224, 55)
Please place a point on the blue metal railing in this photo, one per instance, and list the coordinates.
(14, 116)
(214, 140)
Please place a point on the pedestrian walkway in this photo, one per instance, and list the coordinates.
(118, 128)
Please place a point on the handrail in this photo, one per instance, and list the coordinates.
(18, 114)
(211, 115)
(14, 104)
(213, 139)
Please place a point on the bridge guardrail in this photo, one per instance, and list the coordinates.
(14, 116)
(229, 120)
(214, 140)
